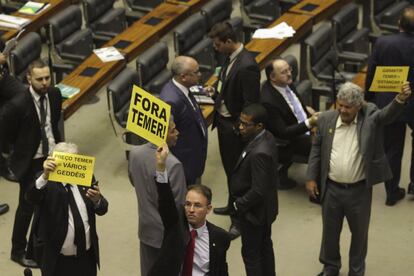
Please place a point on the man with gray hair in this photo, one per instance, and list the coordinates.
(191, 148)
(347, 158)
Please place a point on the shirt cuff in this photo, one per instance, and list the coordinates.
(40, 182)
(161, 177)
(399, 101)
(307, 123)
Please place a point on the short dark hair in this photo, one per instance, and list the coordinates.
(258, 113)
(38, 63)
(407, 19)
(202, 189)
(269, 66)
(223, 31)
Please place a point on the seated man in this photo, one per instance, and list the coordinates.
(191, 245)
(288, 116)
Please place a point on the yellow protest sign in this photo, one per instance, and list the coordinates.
(73, 168)
(389, 78)
(148, 116)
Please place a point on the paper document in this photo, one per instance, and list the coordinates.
(279, 31)
(14, 22)
(33, 7)
(108, 54)
(11, 43)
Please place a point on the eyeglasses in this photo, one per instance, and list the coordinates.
(286, 71)
(246, 124)
(194, 72)
(196, 206)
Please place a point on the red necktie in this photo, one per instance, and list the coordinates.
(189, 255)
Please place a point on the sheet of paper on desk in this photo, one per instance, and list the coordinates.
(279, 31)
(14, 22)
(108, 54)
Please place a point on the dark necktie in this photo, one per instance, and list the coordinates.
(45, 142)
(189, 255)
(198, 112)
(80, 239)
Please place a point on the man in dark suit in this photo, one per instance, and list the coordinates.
(238, 85)
(191, 148)
(347, 158)
(64, 238)
(395, 50)
(253, 184)
(289, 118)
(191, 245)
(31, 120)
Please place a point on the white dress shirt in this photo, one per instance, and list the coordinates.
(201, 260)
(69, 247)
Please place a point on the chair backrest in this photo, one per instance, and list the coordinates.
(293, 63)
(381, 5)
(119, 94)
(217, 11)
(150, 64)
(96, 8)
(27, 50)
(189, 32)
(143, 5)
(65, 23)
(345, 21)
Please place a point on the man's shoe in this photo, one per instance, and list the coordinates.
(223, 211)
(392, 200)
(4, 208)
(410, 189)
(21, 260)
(234, 232)
(10, 176)
(324, 273)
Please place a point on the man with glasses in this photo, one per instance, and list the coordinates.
(253, 185)
(191, 148)
(191, 244)
(31, 118)
(290, 119)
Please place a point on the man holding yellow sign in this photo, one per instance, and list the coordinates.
(392, 64)
(64, 239)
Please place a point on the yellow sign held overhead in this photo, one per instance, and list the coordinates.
(73, 168)
(389, 78)
(148, 116)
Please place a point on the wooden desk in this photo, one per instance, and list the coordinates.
(194, 5)
(143, 35)
(325, 8)
(37, 20)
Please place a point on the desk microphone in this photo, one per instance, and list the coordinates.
(27, 272)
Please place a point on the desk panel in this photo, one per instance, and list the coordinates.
(325, 8)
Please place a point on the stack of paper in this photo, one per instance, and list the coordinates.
(67, 91)
(279, 31)
(13, 22)
(33, 7)
(108, 54)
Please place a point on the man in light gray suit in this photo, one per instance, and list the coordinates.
(141, 173)
(347, 158)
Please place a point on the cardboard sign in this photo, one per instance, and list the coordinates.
(389, 78)
(73, 168)
(148, 116)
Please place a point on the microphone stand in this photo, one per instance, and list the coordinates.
(334, 69)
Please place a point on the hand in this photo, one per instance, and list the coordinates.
(2, 59)
(94, 193)
(49, 165)
(209, 90)
(313, 120)
(161, 156)
(312, 188)
(405, 92)
(310, 110)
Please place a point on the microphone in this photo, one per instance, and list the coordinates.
(334, 65)
(27, 272)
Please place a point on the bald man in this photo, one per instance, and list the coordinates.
(191, 148)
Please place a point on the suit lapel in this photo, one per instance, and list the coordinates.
(246, 151)
(213, 249)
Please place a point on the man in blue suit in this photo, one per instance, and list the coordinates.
(191, 148)
(395, 50)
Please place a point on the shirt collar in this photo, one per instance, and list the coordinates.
(339, 122)
(181, 87)
(235, 53)
(35, 96)
(201, 230)
(279, 88)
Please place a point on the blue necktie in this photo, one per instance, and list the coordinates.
(297, 107)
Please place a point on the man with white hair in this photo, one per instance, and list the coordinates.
(64, 237)
(347, 158)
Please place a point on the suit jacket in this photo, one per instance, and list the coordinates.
(370, 122)
(177, 236)
(22, 123)
(392, 50)
(282, 121)
(141, 173)
(241, 86)
(191, 147)
(50, 223)
(255, 179)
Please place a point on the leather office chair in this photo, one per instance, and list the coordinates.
(216, 11)
(69, 43)
(385, 15)
(190, 40)
(152, 68)
(351, 43)
(26, 51)
(135, 9)
(119, 92)
(104, 20)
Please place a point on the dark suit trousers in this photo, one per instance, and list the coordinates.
(355, 205)
(70, 266)
(257, 249)
(24, 211)
(230, 146)
(394, 136)
(148, 256)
